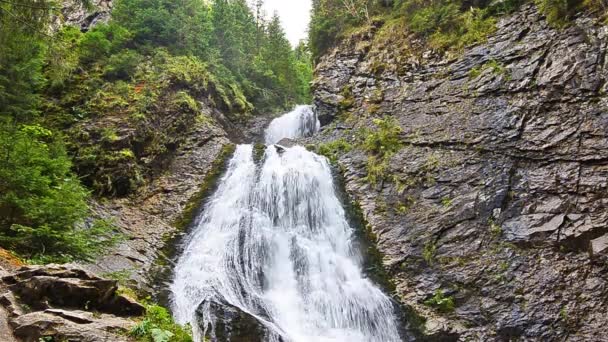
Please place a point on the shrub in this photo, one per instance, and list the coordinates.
(381, 144)
(158, 326)
(557, 11)
(428, 252)
(94, 46)
(123, 64)
(376, 169)
(332, 149)
(42, 205)
(436, 17)
(441, 302)
(385, 140)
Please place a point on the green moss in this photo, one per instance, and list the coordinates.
(381, 144)
(496, 67)
(406, 204)
(126, 154)
(184, 102)
(446, 202)
(347, 98)
(385, 139)
(216, 170)
(371, 254)
(259, 150)
(376, 169)
(109, 135)
(332, 149)
(475, 72)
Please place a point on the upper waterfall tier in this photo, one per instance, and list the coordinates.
(301, 122)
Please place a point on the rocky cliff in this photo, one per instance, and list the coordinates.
(80, 14)
(491, 215)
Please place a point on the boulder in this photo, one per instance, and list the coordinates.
(57, 286)
(228, 323)
(66, 304)
(71, 326)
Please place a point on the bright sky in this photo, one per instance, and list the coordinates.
(295, 15)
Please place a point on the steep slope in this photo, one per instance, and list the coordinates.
(491, 212)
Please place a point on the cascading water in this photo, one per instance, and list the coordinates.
(275, 243)
(301, 122)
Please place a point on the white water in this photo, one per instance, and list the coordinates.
(301, 122)
(274, 242)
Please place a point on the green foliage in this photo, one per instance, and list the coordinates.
(495, 229)
(376, 169)
(385, 140)
(496, 67)
(251, 59)
(381, 144)
(560, 12)
(428, 252)
(123, 64)
(441, 302)
(332, 149)
(142, 78)
(557, 11)
(42, 205)
(445, 24)
(446, 202)
(158, 326)
(332, 19)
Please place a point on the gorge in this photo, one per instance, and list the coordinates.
(448, 182)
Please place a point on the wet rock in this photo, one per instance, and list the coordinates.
(231, 324)
(150, 218)
(286, 143)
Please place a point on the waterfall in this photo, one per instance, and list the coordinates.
(301, 122)
(274, 242)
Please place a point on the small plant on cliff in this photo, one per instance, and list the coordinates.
(385, 139)
(496, 67)
(158, 326)
(495, 229)
(332, 149)
(441, 302)
(382, 144)
(428, 252)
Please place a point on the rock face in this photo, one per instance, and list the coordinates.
(151, 216)
(231, 324)
(66, 304)
(75, 13)
(498, 197)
